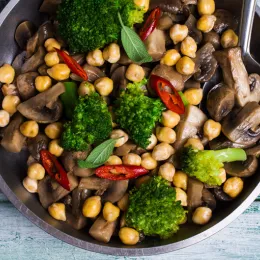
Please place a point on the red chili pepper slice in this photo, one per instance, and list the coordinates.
(150, 23)
(168, 94)
(73, 65)
(120, 172)
(54, 169)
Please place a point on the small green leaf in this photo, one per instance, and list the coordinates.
(184, 99)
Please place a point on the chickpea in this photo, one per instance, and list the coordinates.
(36, 171)
(120, 135)
(229, 39)
(233, 186)
(193, 95)
(129, 236)
(7, 74)
(30, 185)
(86, 88)
(10, 104)
(180, 180)
(110, 212)
(4, 118)
(211, 129)
(170, 119)
(167, 171)
(144, 4)
(124, 202)
(206, 23)
(59, 72)
(135, 73)
(132, 159)
(52, 58)
(189, 47)
(223, 175)
(202, 215)
(206, 7)
(92, 207)
(113, 160)
(142, 180)
(181, 196)
(185, 66)
(112, 53)
(170, 58)
(9, 89)
(166, 134)
(54, 130)
(29, 129)
(178, 33)
(42, 83)
(58, 211)
(55, 148)
(195, 143)
(153, 142)
(95, 58)
(162, 151)
(104, 86)
(148, 161)
(51, 44)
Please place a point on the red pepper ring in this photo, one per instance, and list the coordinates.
(54, 169)
(120, 172)
(168, 94)
(73, 65)
(150, 23)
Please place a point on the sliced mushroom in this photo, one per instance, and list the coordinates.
(50, 6)
(120, 81)
(189, 2)
(209, 199)
(196, 34)
(45, 107)
(18, 62)
(194, 193)
(213, 38)
(10, 89)
(31, 160)
(116, 191)
(125, 149)
(80, 58)
(23, 33)
(165, 22)
(124, 59)
(192, 84)
(93, 73)
(77, 222)
(43, 70)
(83, 172)
(32, 45)
(78, 198)
(36, 144)
(255, 151)
(171, 6)
(221, 195)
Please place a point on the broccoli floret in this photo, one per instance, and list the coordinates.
(206, 165)
(90, 24)
(137, 113)
(91, 123)
(153, 209)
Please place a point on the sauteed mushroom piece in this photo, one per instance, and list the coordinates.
(196, 34)
(209, 199)
(43, 70)
(255, 151)
(36, 144)
(23, 33)
(116, 191)
(18, 62)
(171, 6)
(194, 193)
(213, 38)
(93, 73)
(191, 84)
(221, 195)
(119, 79)
(125, 149)
(50, 6)
(32, 45)
(165, 22)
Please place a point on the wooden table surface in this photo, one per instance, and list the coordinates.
(21, 240)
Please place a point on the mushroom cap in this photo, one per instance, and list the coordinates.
(213, 38)
(93, 73)
(119, 79)
(196, 34)
(171, 6)
(194, 193)
(36, 144)
(23, 33)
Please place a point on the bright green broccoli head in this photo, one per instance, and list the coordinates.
(90, 24)
(153, 209)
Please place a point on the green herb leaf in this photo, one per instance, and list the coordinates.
(99, 155)
(184, 99)
(133, 45)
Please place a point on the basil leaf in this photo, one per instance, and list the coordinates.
(184, 99)
(99, 155)
(133, 45)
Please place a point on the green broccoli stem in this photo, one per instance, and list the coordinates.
(230, 155)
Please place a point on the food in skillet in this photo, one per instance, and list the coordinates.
(107, 98)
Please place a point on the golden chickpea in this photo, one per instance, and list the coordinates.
(144, 4)
(52, 58)
(9, 89)
(95, 58)
(132, 159)
(30, 185)
(181, 196)
(229, 39)
(206, 23)
(180, 180)
(36, 171)
(170, 119)
(104, 86)
(142, 180)
(167, 171)
(124, 202)
(166, 134)
(148, 162)
(185, 66)
(113, 160)
(112, 53)
(193, 96)
(42, 83)
(54, 130)
(92, 207)
(86, 88)
(202, 215)
(55, 148)
(223, 175)
(59, 72)
(195, 143)
(10, 104)
(135, 73)
(162, 151)
(128, 236)
(110, 212)
(29, 129)
(7, 74)
(4, 118)
(120, 135)
(51, 44)
(189, 47)
(170, 58)
(206, 7)
(58, 211)
(178, 33)
(233, 186)
(153, 142)
(211, 129)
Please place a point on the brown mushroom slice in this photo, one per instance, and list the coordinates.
(209, 199)
(50, 6)
(46, 31)
(78, 198)
(213, 38)
(116, 191)
(192, 84)
(23, 33)
(220, 101)
(189, 2)
(171, 6)
(255, 151)
(196, 34)
(13, 141)
(194, 193)
(77, 222)
(83, 172)
(221, 195)
(93, 73)
(32, 45)
(9, 89)
(124, 59)
(36, 144)
(125, 148)
(165, 22)
(43, 70)
(45, 107)
(26, 86)
(18, 62)
(80, 58)
(119, 79)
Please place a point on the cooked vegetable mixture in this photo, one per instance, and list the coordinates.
(128, 136)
